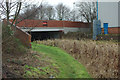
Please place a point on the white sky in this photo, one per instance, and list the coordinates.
(68, 3)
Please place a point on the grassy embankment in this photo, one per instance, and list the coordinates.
(68, 67)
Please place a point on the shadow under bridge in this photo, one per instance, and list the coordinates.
(44, 34)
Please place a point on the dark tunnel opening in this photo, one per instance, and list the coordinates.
(45, 35)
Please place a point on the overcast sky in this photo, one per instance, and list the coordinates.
(68, 3)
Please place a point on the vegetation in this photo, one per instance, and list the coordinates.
(99, 57)
(88, 10)
(68, 66)
(10, 44)
(20, 62)
(28, 65)
(84, 36)
(38, 72)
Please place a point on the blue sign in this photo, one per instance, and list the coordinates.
(105, 28)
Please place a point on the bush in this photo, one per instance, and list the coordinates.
(77, 35)
(82, 36)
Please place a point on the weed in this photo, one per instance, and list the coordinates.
(8, 60)
(33, 71)
(14, 61)
(27, 73)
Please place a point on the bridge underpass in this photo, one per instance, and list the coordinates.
(44, 34)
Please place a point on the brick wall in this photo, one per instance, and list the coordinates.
(52, 23)
(24, 37)
(112, 30)
(115, 30)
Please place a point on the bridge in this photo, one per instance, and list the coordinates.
(51, 29)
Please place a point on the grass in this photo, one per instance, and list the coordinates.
(68, 66)
(40, 66)
(35, 72)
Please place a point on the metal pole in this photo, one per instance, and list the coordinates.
(0, 48)
(74, 11)
(97, 9)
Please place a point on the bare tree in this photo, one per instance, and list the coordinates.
(72, 15)
(67, 14)
(27, 12)
(50, 12)
(10, 9)
(42, 9)
(88, 10)
(62, 11)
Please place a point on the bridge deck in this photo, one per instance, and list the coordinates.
(45, 30)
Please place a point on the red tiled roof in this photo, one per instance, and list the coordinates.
(51, 23)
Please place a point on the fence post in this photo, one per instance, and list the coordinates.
(0, 48)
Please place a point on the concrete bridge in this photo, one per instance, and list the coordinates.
(51, 29)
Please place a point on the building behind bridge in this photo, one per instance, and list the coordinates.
(109, 12)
